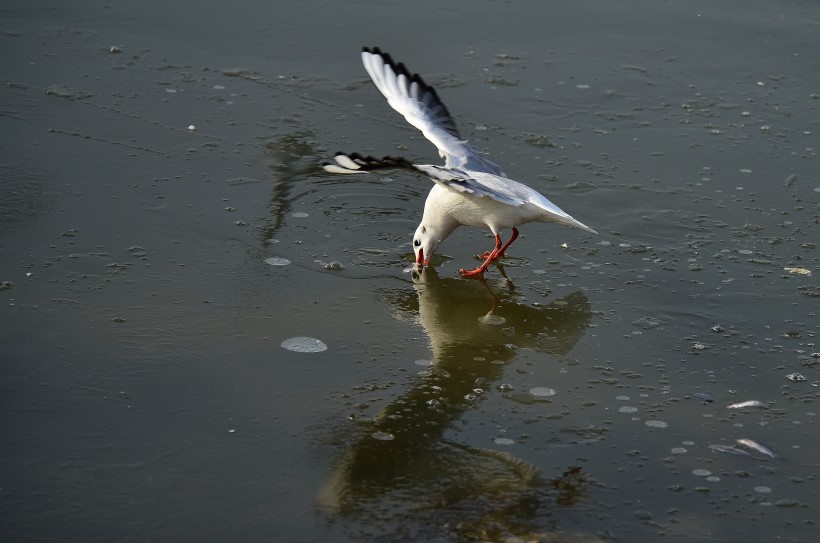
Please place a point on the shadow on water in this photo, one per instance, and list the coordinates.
(292, 157)
(403, 473)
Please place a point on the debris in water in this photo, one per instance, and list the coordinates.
(242, 181)
(797, 271)
(542, 391)
(762, 449)
(748, 403)
(705, 397)
(796, 377)
(301, 344)
(647, 323)
(63, 92)
(277, 261)
(383, 436)
(729, 450)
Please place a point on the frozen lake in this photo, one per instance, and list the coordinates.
(205, 337)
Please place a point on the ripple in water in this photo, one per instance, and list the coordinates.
(304, 345)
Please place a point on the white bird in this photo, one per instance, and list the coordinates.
(469, 189)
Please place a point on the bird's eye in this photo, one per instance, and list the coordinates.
(416, 242)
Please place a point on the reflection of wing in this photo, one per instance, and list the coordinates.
(401, 469)
(286, 156)
(563, 323)
(450, 490)
(454, 315)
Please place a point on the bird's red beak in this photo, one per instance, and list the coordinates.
(420, 258)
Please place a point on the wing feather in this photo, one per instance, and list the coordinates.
(420, 105)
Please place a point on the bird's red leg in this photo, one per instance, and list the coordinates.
(513, 238)
(492, 256)
(501, 252)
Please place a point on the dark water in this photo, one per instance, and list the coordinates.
(145, 394)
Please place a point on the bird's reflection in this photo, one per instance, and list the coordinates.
(402, 468)
(292, 157)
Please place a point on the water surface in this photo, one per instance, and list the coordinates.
(165, 226)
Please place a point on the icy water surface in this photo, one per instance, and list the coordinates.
(206, 337)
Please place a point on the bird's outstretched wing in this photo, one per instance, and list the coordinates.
(457, 180)
(408, 94)
(356, 163)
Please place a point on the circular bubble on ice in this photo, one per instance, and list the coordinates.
(679, 450)
(763, 489)
(542, 391)
(299, 214)
(423, 362)
(701, 472)
(383, 436)
(503, 441)
(277, 261)
(304, 345)
(656, 424)
(627, 409)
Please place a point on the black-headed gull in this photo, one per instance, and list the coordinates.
(469, 189)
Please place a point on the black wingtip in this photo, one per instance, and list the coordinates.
(400, 69)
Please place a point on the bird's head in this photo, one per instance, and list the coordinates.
(425, 243)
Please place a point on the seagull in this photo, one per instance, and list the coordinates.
(469, 189)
